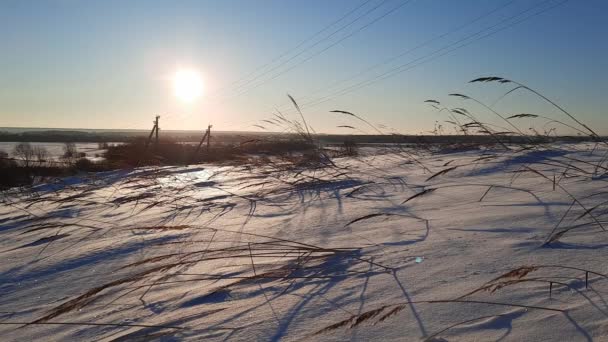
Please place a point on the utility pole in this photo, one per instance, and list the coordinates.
(157, 128)
(154, 130)
(207, 137)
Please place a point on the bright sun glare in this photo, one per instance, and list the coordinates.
(187, 85)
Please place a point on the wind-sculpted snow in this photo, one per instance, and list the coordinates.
(486, 245)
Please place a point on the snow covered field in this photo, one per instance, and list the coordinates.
(56, 150)
(394, 245)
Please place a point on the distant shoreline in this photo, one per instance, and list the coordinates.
(46, 135)
(103, 130)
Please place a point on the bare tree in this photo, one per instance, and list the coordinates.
(25, 152)
(69, 152)
(41, 154)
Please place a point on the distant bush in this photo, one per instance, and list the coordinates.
(5, 160)
(25, 152)
(349, 148)
(33, 165)
(170, 153)
(41, 154)
(12, 174)
(137, 153)
(69, 152)
(84, 164)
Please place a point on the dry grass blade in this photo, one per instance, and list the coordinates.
(335, 326)
(294, 102)
(301, 115)
(503, 280)
(523, 115)
(588, 211)
(391, 313)
(342, 112)
(354, 320)
(489, 79)
(461, 110)
(460, 95)
(369, 315)
(574, 198)
(483, 158)
(517, 273)
(442, 172)
(90, 295)
(355, 190)
(422, 193)
(94, 324)
(458, 111)
(358, 118)
(555, 237)
(366, 217)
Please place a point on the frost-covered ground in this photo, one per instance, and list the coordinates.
(392, 245)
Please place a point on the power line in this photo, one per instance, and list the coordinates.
(323, 50)
(287, 52)
(325, 38)
(429, 57)
(408, 51)
(173, 115)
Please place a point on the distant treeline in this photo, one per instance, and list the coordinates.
(120, 136)
(240, 137)
(446, 139)
(65, 136)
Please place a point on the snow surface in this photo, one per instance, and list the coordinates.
(269, 252)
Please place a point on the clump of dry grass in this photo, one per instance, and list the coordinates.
(291, 261)
(357, 320)
(519, 275)
(393, 309)
(568, 168)
(518, 86)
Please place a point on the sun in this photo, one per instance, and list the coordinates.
(187, 85)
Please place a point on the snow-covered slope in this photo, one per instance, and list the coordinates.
(393, 245)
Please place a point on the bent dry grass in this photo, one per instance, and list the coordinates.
(272, 260)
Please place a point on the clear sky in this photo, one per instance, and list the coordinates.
(111, 64)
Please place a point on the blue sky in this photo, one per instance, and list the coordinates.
(108, 64)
